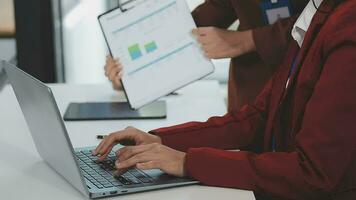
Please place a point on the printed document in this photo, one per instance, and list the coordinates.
(154, 43)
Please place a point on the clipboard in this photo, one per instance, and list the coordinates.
(121, 5)
(145, 49)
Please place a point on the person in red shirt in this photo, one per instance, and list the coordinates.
(297, 141)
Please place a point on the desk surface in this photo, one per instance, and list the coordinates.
(24, 175)
(7, 22)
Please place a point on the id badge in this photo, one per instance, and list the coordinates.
(273, 10)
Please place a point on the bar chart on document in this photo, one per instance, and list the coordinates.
(154, 43)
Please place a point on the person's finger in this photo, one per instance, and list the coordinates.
(195, 31)
(118, 64)
(117, 83)
(203, 46)
(139, 158)
(112, 140)
(213, 48)
(149, 165)
(111, 62)
(119, 75)
(198, 32)
(105, 144)
(203, 40)
(109, 141)
(207, 54)
(215, 55)
(207, 50)
(113, 65)
(128, 152)
(121, 69)
(211, 55)
(202, 31)
(98, 148)
(116, 61)
(109, 59)
(113, 68)
(103, 157)
(210, 44)
(108, 67)
(120, 172)
(113, 73)
(101, 153)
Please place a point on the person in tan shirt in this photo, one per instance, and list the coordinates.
(256, 49)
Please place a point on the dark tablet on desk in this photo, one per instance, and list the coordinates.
(114, 110)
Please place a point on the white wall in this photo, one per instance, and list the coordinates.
(83, 44)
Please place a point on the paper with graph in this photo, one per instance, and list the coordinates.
(154, 43)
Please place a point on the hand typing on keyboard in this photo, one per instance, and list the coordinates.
(149, 153)
(102, 173)
(138, 137)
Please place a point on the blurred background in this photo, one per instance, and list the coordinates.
(66, 44)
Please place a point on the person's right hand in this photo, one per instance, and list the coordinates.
(220, 43)
(129, 134)
(114, 72)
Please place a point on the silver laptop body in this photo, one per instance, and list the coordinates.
(54, 146)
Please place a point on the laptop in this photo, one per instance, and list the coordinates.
(82, 170)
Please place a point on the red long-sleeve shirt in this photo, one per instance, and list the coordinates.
(313, 122)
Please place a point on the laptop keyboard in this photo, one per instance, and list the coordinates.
(101, 174)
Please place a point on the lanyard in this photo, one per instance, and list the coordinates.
(292, 70)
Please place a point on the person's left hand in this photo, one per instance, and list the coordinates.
(114, 72)
(220, 43)
(151, 156)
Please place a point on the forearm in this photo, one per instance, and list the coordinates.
(279, 175)
(233, 131)
(227, 132)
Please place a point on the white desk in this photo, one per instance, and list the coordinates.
(23, 175)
